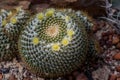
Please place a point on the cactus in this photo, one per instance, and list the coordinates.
(54, 44)
(5, 52)
(12, 23)
(16, 22)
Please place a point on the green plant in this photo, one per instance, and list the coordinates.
(12, 23)
(55, 42)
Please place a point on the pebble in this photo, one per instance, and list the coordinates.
(118, 45)
(115, 39)
(27, 78)
(70, 78)
(39, 1)
(95, 28)
(40, 7)
(118, 68)
(4, 70)
(5, 4)
(101, 73)
(25, 4)
(117, 56)
(81, 77)
(76, 73)
(118, 79)
(12, 77)
(112, 77)
(1, 76)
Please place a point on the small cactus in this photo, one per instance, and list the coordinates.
(5, 52)
(16, 21)
(12, 23)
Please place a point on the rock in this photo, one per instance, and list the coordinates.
(39, 1)
(112, 77)
(4, 70)
(12, 2)
(76, 73)
(101, 73)
(70, 78)
(115, 39)
(118, 79)
(118, 68)
(25, 4)
(6, 76)
(95, 28)
(5, 4)
(59, 3)
(118, 45)
(71, 0)
(117, 56)
(81, 77)
(12, 77)
(39, 7)
(1, 76)
(27, 78)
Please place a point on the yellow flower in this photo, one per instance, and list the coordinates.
(55, 47)
(70, 32)
(65, 42)
(13, 20)
(35, 40)
(50, 12)
(67, 18)
(4, 22)
(40, 16)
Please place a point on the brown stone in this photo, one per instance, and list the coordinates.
(12, 77)
(25, 4)
(118, 79)
(27, 78)
(76, 73)
(95, 28)
(118, 68)
(112, 77)
(71, 0)
(70, 78)
(39, 1)
(8, 4)
(115, 39)
(39, 7)
(81, 77)
(117, 56)
(118, 45)
(1, 76)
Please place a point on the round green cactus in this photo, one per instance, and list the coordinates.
(5, 52)
(53, 44)
(11, 24)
